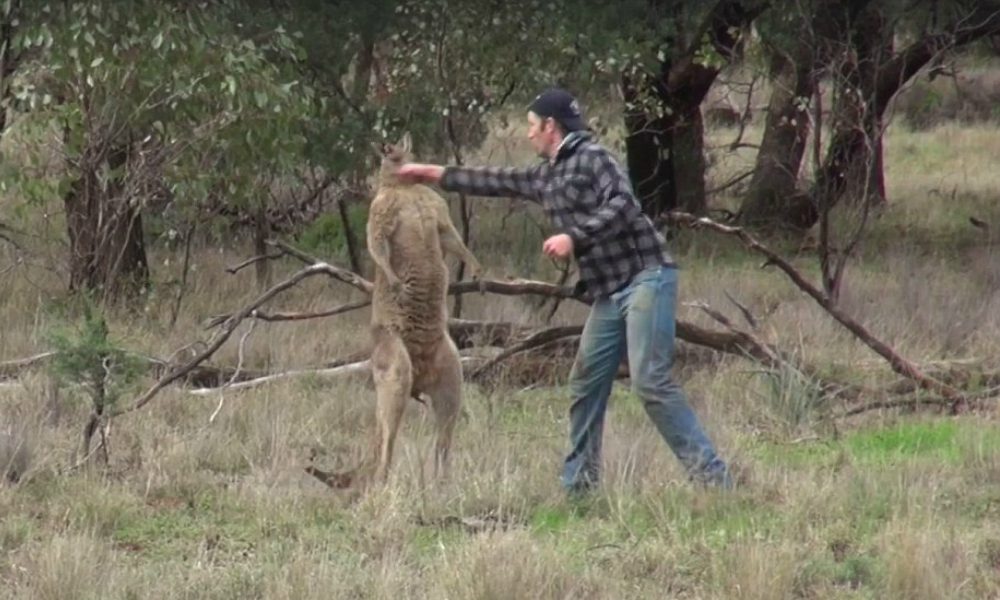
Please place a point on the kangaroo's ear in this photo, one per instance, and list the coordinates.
(406, 143)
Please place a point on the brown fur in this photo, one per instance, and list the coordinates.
(409, 231)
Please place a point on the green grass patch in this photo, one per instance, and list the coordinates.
(549, 519)
(948, 441)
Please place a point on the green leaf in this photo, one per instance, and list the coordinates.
(158, 41)
(96, 62)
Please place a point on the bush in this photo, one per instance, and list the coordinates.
(89, 358)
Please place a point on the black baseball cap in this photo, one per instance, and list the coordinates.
(560, 105)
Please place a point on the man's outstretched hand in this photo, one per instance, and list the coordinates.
(420, 172)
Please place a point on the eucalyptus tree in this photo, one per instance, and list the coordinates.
(159, 107)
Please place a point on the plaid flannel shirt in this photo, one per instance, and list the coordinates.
(585, 194)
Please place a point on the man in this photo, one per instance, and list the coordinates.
(623, 268)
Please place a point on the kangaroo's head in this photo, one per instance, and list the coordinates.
(394, 155)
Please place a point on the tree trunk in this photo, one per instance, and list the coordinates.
(350, 238)
(666, 155)
(666, 158)
(107, 248)
(786, 129)
(648, 148)
(689, 161)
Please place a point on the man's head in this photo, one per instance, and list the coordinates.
(551, 115)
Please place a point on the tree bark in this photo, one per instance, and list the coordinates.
(786, 130)
(689, 161)
(648, 150)
(350, 237)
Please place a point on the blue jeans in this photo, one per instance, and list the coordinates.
(638, 318)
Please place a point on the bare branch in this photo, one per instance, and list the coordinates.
(898, 363)
(344, 275)
(730, 183)
(516, 287)
(239, 369)
(751, 321)
(353, 368)
(538, 339)
(294, 316)
(12, 368)
(238, 267)
(185, 268)
(901, 403)
(466, 333)
(221, 336)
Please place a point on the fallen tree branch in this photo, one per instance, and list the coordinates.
(538, 339)
(510, 287)
(515, 287)
(261, 315)
(352, 368)
(899, 403)
(898, 363)
(733, 343)
(348, 277)
(240, 355)
(347, 369)
(222, 335)
(250, 261)
(291, 250)
(467, 333)
(12, 368)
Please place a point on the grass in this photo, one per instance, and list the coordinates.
(886, 505)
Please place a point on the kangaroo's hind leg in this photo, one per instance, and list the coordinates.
(392, 373)
(445, 391)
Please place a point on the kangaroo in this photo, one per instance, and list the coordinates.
(409, 231)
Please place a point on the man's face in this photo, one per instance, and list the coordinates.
(543, 134)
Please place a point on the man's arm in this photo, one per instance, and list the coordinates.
(616, 202)
(477, 181)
